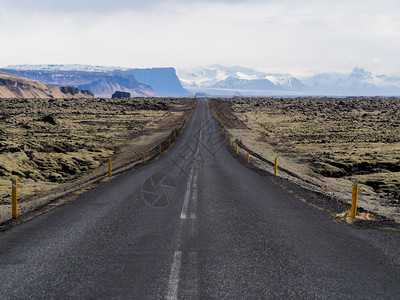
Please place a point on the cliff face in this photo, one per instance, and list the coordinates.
(101, 84)
(107, 84)
(12, 86)
(164, 81)
(104, 81)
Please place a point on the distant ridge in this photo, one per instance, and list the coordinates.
(225, 81)
(101, 84)
(12, 86)
(163, 80)
(103, 81)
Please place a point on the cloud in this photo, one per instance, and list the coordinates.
(289, 36)
(105, 6)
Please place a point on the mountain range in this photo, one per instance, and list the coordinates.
(213, 80)
(12, 86)
(104, 81)
(227, 81)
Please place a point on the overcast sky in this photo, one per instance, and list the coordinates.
(272, 35)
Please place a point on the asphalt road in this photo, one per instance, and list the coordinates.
(195, 224)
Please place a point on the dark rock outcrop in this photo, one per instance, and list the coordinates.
(50, 119)
(119, 95)
(74, 91)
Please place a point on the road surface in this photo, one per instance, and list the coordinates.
(195, 224)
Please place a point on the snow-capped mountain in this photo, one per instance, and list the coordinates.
(213, 80)
(358, 82)
(70, 67)
(219, 79)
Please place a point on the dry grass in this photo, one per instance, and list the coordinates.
(327, 141)
(345, 216)
(86, 133)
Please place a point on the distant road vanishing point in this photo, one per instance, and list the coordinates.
(195, 224)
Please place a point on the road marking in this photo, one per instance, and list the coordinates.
(173, 285)
(187, 194)
(189, 183)
(198, 143)
(193, 210)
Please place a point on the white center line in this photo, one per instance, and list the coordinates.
(173, 285)
(193, 210)
(187, 194)
(189, 183)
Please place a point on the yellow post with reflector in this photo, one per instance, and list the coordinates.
(144, 158)
(169, 141)
(353, 210)
(276, 167)
(223, 129)
(109, 168)
(14, 204)
(237, 149)
(230, 142)
(159, 149)
(248, 157)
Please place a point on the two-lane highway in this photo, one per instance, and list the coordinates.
(195, 224)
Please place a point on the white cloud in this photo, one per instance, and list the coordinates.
(287, 36)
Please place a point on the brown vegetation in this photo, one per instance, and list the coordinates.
(335, 140)
(48, 143)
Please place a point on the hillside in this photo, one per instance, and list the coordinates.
(103, 81)
(101, 84)
(112, 82)
(12, 86)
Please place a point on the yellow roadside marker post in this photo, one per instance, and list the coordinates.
(237, 149)
(109, 168)
(223, 129)
(230, 142)
(353, 211)
(248, 157)
(144, 158)
(276, 167)
(159, 149)
(14, 204)
(226, 136)
(169, 141)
